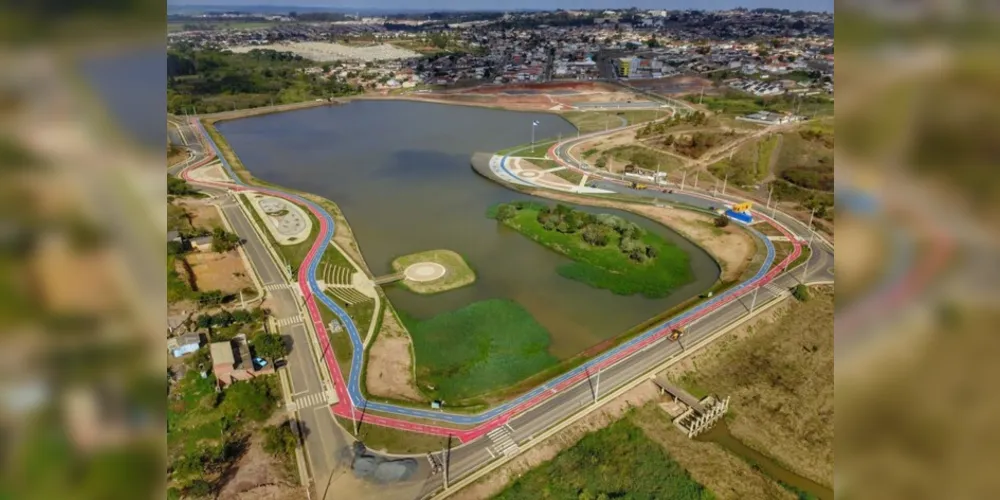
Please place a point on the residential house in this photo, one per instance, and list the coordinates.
(231, 361)
(202, 243)
(184, 344)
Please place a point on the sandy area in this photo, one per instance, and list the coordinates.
(211, 173)
(731, 247)
(219, 271)
(390, 364)
(321, 52)
(547, 450)
(71, 281)
(528, 170)
(860, 257)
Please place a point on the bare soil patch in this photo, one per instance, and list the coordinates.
(203, 215)
(495, 482)
(257, 475)
(219, 271)
(390, 362)
(731, 247)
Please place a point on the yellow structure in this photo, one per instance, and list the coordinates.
(742, 207)
(624, 66)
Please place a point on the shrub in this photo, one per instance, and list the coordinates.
(721, 221)
(280, 439)
(801, 292)
(505, 212)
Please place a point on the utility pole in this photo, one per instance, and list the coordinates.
(769, 191)
(754, 301)
(715, 190)
(354, 418)
(696, 176)
(726, 181)
(805, 268)
(597, 386)
(702, 96)
(683, 178)
(657, 173)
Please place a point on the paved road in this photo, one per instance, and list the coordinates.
(522, 418)
(324, 439)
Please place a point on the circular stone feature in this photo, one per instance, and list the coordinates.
(424, 271)
(530, 174)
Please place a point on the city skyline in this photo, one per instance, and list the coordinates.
(512, 5)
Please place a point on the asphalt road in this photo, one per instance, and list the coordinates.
(564, 403)
(324, 440)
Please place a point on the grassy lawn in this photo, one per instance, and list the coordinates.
(765, 149)
(780, 380)
(607, 267)
(340, 342)
(482, 347)
(539, 150)
(593, 121)
(733, 102)
(644, 157)
(394, 440)
(457, 271)
(569, 174)
(748, 164)
(619, 461)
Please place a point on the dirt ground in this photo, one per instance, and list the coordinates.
(258, 476)
(862, 257)
(733, 248)
(390, 364)
(677, 85)
(543, 97)
(778, 370)
(219, 271)
(547, 450)
(203, 215)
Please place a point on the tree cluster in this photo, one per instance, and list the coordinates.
(179, 187)
(595, 230)
(280, 440)
(210, 81)
(224, 241)
(652, 129)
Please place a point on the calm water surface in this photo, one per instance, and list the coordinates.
(400, 172)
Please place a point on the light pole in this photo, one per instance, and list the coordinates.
(533, 125)
(805, 268)
(726, 181)
(754, 301)
(769, 191)
(597, 385)
(683, 178)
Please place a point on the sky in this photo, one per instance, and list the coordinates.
(815, 5)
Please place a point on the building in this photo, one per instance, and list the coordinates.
(768, 118)
(202, 243)
(626, 66)
(184, 345)
(231, 361)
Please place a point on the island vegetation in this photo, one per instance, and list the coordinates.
(609, 252)
(483, 347)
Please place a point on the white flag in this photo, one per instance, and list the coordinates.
(534, 123)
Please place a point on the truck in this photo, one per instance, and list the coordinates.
(636, 185)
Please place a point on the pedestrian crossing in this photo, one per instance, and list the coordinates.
(503, 441)
(289, 321)
(277, 286)
(775, 289)
(311, 400)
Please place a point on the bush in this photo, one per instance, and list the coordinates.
(224, 241)
(280, 439)
(252, 399)
(505, 212)
(198, 488)
(801, 293)
(721, 221)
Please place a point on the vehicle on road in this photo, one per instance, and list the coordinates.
(676, 333)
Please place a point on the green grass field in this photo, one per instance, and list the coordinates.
(538, 150)
(457, 271)
(607, 267)
(482, 347)
(619, 462)
(390, 440)
(592, 121)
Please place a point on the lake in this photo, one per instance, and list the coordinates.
(400, 172)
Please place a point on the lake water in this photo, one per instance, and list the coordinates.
(400, 171)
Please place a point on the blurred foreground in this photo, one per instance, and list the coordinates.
(918, 200)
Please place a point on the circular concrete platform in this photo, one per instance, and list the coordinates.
(529, 174)
(424, 271)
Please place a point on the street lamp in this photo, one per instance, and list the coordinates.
(534, 124)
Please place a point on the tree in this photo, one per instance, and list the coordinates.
(801, 293)
(250, 399)
(721, 221)
(601, 162)
(506, 212)
(224, 241)
(198, 488)
(270, 346)
(596, 234)
(280, 439)
(204, 321)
